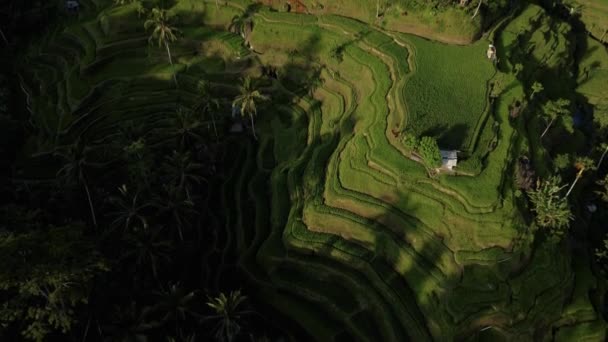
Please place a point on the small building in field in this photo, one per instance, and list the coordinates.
(491, 53)
(72, 5)
(449, 159)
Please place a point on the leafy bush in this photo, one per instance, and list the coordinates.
(429, 151)
(411, 141)
(550, 206)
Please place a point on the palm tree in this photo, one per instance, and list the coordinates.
(551, 208)
(3, 37)
(537, 87)
(149, 249)
(554, 110)
(604, 192)
(186, 127)
(183, 171)
(599, 163)
(139, 8)
(247, 101)
(239, 23)
(207, 104)
(477, 9)
(173, 304)
(130, 209)
(129, 323)
(174, 203)
(139, 160)
(74, 171)
(162, 31)
(582, 164)
(228, 314)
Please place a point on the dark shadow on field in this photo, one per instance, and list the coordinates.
(448, 137)
(558, 73)
(337, 52)
(286, 86)
(478, 303)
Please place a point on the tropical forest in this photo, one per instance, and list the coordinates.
(303, 170)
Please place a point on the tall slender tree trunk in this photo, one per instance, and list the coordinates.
(214, 128)
(377, 8)
(599, 163)
(253, 127)
(578, 176)
(3, 37)
(477, 9)
(86, 189)
(572, 186)
(171, 62)
(547, 129)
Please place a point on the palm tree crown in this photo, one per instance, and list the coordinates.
(246, 101)
(550, 206)
(162, 31)
(228, 313)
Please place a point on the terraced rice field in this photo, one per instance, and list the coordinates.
(334, 226)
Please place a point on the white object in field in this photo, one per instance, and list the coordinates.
(72, 5)
(491, 53)
(449, 159)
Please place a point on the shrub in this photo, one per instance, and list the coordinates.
(429, 151)
(411, 141)
(562, 161)
(550, 206)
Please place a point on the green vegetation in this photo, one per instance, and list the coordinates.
(279, 178)
(550, 206)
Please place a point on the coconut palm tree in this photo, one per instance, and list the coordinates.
(582, 164)
(477, 9)
(73, 171)
(554, 110)
(182, 171)
(185, 125)
(603, 193)
(246, 101)
(162, 31)
(551, 208)
(174, 203)
(206, 103)
(599, 163)
(130, 210)
(537, 87)
(3, 37)
(148, 250)
(173, 304)
(239, 23)
(228, 314)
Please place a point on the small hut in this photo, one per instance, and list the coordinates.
(449, 159)
(491, 53)
(72, 6)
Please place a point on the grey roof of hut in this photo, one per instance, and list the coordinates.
(449, 159)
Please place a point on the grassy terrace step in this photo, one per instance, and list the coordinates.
(86, 41)
(308, 244)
